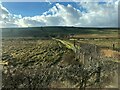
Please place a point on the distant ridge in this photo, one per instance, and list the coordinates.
(52, 31)
(68, 27)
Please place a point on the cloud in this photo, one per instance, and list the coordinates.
(3, 13)
(3, 10)
(100, 15)
(7, 19)
(59, 15)
(95, 15)
(62, 15)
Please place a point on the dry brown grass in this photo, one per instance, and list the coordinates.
(110, 53)
(96, 36)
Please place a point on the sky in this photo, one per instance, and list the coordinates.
(32, 8)
(78, 14)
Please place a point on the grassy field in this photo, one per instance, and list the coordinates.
(108, 43)
(64, 62)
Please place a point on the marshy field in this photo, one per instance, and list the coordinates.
(60, 57)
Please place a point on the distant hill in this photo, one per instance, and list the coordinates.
(56, 31)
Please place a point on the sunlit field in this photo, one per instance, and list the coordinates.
(61, 62)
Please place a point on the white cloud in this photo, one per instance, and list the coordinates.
(100, 15)
(3, 10)
(7, 19)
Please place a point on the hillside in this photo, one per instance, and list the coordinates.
(54, 31)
